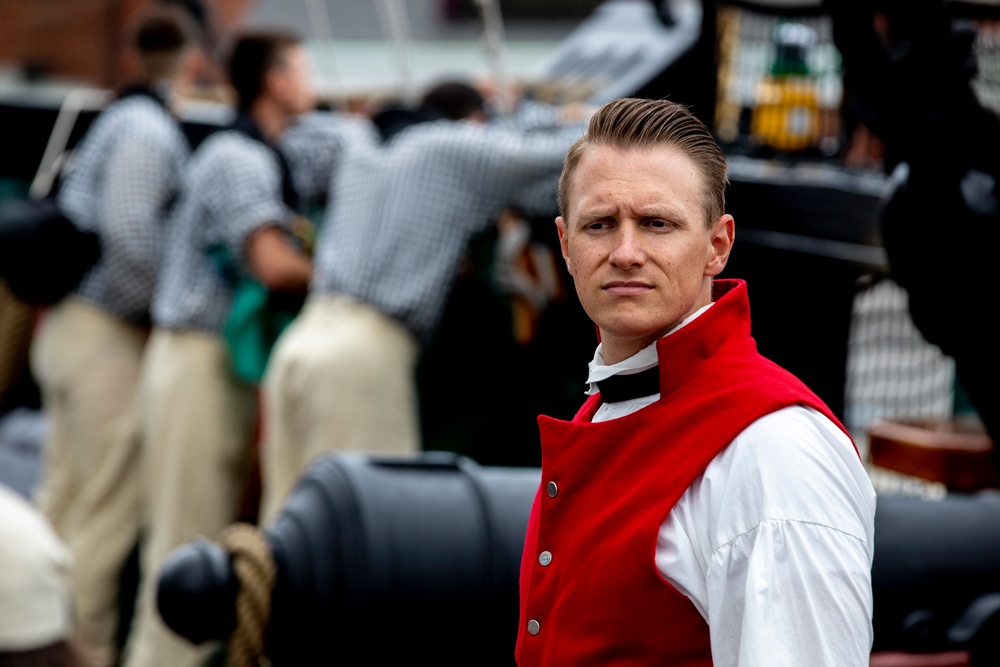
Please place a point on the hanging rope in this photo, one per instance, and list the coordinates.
(256, 572)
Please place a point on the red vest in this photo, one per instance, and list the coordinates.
(590, 590)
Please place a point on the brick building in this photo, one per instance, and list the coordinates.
(81, 40)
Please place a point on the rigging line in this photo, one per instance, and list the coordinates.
(395, 23)
(493, 44)
(319, 22)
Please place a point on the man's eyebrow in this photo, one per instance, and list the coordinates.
(660, 211)
(598, 211)
(649, 211)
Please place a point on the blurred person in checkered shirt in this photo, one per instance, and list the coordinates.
(234, 219)
(86, 355)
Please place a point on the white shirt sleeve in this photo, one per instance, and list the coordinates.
(773, 544)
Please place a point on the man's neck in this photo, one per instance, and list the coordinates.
(615, 356)
(270, 119)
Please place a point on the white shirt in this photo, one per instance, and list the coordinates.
(773, 543)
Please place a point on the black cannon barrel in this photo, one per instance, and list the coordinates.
(378, 558)
(382, 559)
(937, 565)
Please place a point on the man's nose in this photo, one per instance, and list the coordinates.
(628, 250)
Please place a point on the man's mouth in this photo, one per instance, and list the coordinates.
(626, 287)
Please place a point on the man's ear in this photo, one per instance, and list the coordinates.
(275, 82)
(564, 242)
(723, 234)
(478, 116)
(129, 65)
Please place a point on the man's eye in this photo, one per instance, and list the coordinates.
(658, 224)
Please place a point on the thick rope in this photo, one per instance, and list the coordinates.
(256, 572)
(17, 320)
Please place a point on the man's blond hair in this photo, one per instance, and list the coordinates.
(640, 124)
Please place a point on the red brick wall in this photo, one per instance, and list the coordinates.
(81, 40)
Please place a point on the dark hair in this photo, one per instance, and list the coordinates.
(454, 100)
(252, 57)
(641, 124)
(202, 21)
(195, 9)
(160, 36)
(160, 32)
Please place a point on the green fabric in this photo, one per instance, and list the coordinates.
(258, 316)
(13, 188)
(255, 321)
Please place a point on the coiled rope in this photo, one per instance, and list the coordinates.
(255, 569)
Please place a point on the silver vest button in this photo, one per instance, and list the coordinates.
(553, 489)
(533, 627)
(545, 558)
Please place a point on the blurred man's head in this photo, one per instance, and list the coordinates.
(455, 100)
(271, 64)
(162, 45)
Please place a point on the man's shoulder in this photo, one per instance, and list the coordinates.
(224, 141)
(227, 149)
(750, 372)
(139, 113)
(773, 443)
(791, 432)
(792, 464)
(787, 443)
(336, 125)
(462, 146)
(444, 134)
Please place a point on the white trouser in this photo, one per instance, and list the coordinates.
(87, 362)
(341, 378)
(198, 423)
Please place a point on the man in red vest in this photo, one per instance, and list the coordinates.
(703, 507)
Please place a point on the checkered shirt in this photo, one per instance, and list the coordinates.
(402, 214)
(532, 115)
(313, 146)
(230, 188)
(121, 180)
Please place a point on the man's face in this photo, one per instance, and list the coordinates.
(636, 243)
(291, 82)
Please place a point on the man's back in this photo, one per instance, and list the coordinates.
(403, 213)
(221, 203)
(124, 175)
